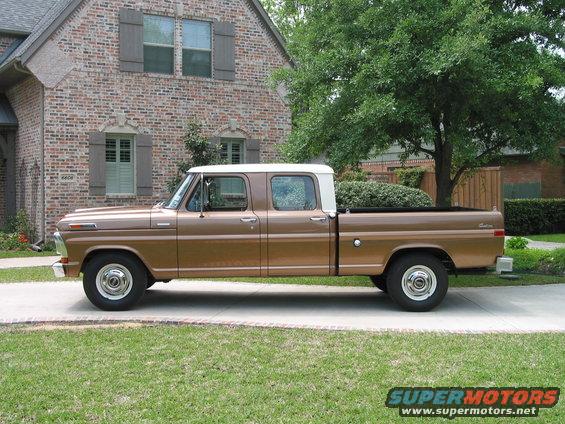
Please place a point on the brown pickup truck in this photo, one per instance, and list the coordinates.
(272, 220)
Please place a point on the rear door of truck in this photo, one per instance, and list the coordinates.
(298, 229)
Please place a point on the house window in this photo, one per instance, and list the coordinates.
(232, 150)
(119, 165)
(158, 44)
(197, 48)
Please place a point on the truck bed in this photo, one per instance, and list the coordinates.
(466, 235)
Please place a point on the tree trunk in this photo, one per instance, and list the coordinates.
(444, 189)
(444, 184)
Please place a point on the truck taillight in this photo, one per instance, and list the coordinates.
(499, 233)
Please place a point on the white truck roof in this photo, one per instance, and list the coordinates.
(323, 172)
(264, 167)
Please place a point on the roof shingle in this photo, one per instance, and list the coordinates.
(22, 15)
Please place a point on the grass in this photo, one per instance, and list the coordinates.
(24, 253)
(15, 275)
(554, 238)
(232, 375)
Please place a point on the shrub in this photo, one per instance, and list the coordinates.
(21, 224)
(12, 241)
(553, 262)
(357, 194)
(534, 216)
(517, 243)
(410, 177)
(354, 174)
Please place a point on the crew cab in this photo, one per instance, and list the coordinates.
(271, 220)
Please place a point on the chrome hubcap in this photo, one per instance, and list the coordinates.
(114, 281)
(419, 282)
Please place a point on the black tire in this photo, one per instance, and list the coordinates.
(379, 281)
(150, 282)
(424, 268)
(118, 265)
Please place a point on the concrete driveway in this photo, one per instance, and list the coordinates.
(493, 309)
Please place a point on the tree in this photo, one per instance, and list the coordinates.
(200, 153)
(457, 80)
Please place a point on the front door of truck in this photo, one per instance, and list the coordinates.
(225, 239)
(298, 229)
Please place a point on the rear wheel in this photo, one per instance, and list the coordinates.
(379, 281)
(417, 282)
(114, 282)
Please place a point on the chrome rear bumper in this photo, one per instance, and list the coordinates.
(58, 270)
(504, 264)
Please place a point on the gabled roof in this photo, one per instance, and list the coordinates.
(47, 15)
(7, 115)
(21, 16)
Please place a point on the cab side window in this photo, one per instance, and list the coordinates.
(293, 193)
(220, 194)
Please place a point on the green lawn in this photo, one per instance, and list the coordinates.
(232, 375)
(46, 274)
(24, 253)
(555, 238)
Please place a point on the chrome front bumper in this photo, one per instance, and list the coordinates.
(58, 270)
(504, 264)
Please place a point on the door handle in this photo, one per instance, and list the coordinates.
(319, 219)
(250, 220)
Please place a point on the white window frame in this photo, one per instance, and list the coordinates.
(183, 48)
(118, 138)
(230, 142)
(162, 45)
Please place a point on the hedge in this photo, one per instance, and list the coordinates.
(534, 216)
(359, 194)
(538, 261)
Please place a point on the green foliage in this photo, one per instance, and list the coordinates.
(518, 243)
(534, 216)
(21, 224)
(352, 174)
(200, 153)
(12, 241)
(410, 177)
(357, 194)
(537, 260)
(457, 80)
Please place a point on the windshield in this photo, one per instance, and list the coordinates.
(179, 193)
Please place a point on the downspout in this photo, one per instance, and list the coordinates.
(42, 160)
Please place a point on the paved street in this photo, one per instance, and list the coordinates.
(507, 309)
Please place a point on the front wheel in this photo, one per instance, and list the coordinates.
(114, 282)
(418, 282)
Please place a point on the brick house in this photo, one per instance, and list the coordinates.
(95, 96)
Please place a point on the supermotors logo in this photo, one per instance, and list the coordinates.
(451, 402)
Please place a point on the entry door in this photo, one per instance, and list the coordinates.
(225, 240)
(298, 229)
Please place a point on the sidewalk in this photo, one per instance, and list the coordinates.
(28, 262)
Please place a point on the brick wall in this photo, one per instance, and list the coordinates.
(26, 100)
(95, 92)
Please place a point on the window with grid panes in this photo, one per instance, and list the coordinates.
(120, 177)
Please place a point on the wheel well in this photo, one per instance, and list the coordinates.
(94, 253)
(442, 255)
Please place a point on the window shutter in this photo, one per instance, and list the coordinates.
(131, 40)
(97, 163)
(252, 153)
(224, 51)
(144, 164)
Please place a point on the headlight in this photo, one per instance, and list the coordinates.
(60, 245)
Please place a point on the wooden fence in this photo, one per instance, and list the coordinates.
(481, 190)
